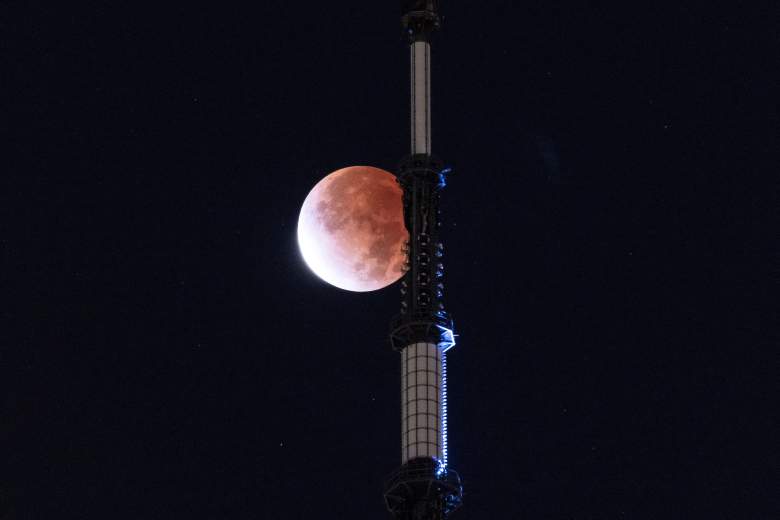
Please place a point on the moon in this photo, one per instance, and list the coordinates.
(351, 229)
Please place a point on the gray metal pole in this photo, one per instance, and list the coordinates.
(421, 97)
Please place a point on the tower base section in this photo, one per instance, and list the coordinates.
(423, 490)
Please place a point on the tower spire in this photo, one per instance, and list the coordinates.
(424, 487)
(420, 18)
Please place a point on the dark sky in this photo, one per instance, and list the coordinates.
(166, 354)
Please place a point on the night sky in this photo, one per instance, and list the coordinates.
(166, 354)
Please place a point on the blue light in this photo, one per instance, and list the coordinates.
(442, 173)
(447, 340)
(440, 468)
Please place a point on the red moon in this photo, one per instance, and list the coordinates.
(351, 229)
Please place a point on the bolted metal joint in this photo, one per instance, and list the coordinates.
(420, 18)
(420, 490)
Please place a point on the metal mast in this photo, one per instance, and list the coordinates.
(424, 487)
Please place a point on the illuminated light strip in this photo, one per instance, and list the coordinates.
(446, 343)
(443, 461)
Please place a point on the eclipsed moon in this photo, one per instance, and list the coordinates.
(351, 229)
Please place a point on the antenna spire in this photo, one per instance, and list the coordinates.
(424, 487)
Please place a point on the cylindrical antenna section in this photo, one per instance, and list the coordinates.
(421, 97)
(423, 403)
